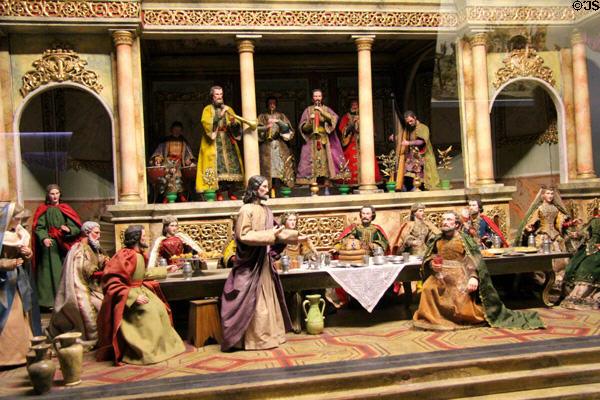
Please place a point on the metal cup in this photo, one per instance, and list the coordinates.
(366, 259)
(285, 264)
(187, 270)
(327, 259)
(300, 259)
(406, 257)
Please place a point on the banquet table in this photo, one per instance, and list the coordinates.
(210, 282)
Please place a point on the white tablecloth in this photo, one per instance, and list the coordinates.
(366, 284)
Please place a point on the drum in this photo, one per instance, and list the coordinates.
(156, 172)
(189, 173)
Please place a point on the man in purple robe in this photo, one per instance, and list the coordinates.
(254, 315)
(322, 154)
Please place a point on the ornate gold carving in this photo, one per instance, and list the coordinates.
(550, 136)
(590, 207)
(479, 39)
(501, 212)
(322, 230)
(70, 9)
(523, 62)
(298, 18)
(573, 208)
(59, 64)
(123, 37)
(520, 14)
(212, 235)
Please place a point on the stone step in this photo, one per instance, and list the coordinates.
(497, 376)
(586, 391)
(491, 385)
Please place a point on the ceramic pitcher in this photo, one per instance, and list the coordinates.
(70, 357)
(41, 369)
(314, 316)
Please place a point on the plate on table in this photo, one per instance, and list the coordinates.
(526, 249)
(357, 265)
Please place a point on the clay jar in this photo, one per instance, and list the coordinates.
(41, 370)
(314, 316)
(30, 356)
(70, 357)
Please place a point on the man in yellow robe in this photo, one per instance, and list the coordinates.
(219, 151)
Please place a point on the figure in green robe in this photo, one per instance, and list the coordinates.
(419, 163)
(56, 227)
(582, 276)
(134, 322)
(369, 234)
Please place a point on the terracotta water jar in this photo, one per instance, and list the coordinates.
(315, 321)
(41, 369)
(70, 357)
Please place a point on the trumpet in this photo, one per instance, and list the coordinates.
(251, 124)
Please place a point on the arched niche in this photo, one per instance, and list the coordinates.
(66, 136)
(533, 108)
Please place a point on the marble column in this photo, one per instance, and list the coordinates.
(469, 120)
(571, 145)
(4, 186)
(365, 103)
(485, 166)
(581, 96)
(123, 41)
(250, 137)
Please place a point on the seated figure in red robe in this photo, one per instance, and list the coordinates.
(171, 243)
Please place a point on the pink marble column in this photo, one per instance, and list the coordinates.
(469, 120)
(581, 96)
(4, 186)
(571, 145)
(485, 166)
(127, 143)
(251, 152)
(366, 126)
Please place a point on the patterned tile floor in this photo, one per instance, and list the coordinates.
(351, 334)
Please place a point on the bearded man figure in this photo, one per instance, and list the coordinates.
(134, 323)
(219, 151)
(460, 294)
(253, 311)
(79, 295)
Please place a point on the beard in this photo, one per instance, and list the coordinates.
(447, 229)
(410, 127)
(94, 244)
(218, 103)
(143, 245)
(263, 196)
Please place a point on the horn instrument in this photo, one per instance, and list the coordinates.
(251, 124)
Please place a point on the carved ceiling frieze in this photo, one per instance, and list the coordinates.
(520, 14)
(298, 18)
(59, 64)
(70, 9)
(523, 63)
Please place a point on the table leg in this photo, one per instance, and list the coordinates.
(550, 278)
(407, 296)
(296, 312)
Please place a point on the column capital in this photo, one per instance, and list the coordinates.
(577, 37)
(479, 39)
(123, 37)
(363, 42)
(245, 46)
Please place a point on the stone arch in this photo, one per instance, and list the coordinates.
(560, 118)
(17, 122)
